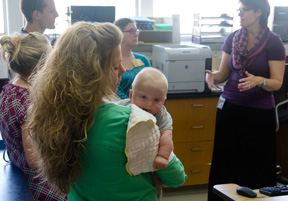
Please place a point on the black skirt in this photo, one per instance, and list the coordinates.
(244, 148)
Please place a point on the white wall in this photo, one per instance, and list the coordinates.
(145, 9)
(16, 22)
(14, 17)
(3, 69)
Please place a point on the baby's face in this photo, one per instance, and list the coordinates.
(150, 99)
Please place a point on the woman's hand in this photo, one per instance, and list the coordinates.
(273, 83)
(249, 82)
(210, 80)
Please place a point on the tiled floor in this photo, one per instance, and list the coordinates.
(198, 193)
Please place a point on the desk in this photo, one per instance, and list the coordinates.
(13, 185)
(228, 193)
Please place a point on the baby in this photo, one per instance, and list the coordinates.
(148, 92)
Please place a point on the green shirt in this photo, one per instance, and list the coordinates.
(104, 176)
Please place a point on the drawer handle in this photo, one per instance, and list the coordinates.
(196, 171)
(194, 150)
(198, 105)
(197, 127)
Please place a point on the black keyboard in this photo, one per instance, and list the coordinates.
(275, 190)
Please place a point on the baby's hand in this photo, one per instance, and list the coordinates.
(160, 163)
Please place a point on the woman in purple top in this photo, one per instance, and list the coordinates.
(252, 66)
(23, 55)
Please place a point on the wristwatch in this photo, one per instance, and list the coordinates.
(264, 82)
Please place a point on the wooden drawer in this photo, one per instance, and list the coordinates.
(195, 152)
(192, 109)
(197, 174)
(188, 131)
(193, 119)
(178, 109)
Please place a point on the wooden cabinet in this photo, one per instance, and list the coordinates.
(193, 135)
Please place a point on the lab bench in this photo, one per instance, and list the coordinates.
(13, 184)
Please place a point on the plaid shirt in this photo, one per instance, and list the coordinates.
(14, 101)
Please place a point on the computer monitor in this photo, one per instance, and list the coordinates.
(280, 24)
(93, 13)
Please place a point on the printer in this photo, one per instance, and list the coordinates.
(183, 65)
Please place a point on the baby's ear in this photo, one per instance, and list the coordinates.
(130, 94)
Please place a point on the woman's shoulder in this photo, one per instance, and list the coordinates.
(275, 41)
(12, 90)
(113, 107)
(137, 55)
(10, 86)
(275, 37)
(142, 57)
(111, 113)
(227, 45)
(232, 34)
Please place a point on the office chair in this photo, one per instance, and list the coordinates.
(281, 101)
(281, 113)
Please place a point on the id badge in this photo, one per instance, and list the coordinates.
(137, 62)
(221, 102)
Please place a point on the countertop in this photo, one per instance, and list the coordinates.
(194, 95)
(13, 185)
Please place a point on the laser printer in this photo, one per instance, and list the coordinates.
(183, 65)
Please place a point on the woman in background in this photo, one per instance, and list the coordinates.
(132, 61)
(79, 134)
(23, 55)
(253, 61)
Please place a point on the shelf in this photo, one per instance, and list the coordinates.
(217, 25)
(161, 36)
(222, 16)
(155, 30)
(145, 43)
(206, 28)
(217, 18)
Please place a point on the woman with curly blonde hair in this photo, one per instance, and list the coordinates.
(78, 134)
(24, 54)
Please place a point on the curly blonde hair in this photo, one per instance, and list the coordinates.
(24, 51)
(65, 95)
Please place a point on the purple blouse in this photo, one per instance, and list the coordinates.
(14, 101)
(255, 97)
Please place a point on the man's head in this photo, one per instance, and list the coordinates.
(149, 90)
(41, 13)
